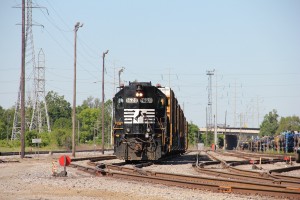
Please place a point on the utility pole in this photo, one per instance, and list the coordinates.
(120, 71)
(78, 131)
(216, 121)
(22, 136)
(206, 126)
(103, 57)
(225, 144)
(209, 123)
(77, 26)
(257, 111)
(234, 114)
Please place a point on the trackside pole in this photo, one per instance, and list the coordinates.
(65, 164)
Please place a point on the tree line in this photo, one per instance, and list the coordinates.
(273, 125)
(88, 123)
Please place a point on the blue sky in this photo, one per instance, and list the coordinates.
(254, 46)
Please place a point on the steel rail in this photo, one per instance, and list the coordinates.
(95, 159)
(285, 169)
(280, 177)
(187, 182)
(239, 182)
(292, 193)
(239, 176)
(246, 161)
(291, 180)
(276, 156)
(284, 177)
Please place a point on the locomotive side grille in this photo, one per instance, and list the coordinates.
(139, 116)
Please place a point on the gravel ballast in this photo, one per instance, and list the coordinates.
(32, 178)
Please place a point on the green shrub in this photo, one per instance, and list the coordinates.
(62, 138)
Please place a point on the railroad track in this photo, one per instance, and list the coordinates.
(248, 155)
(249, 176)
(193, 182)
(270, 176)
(246, 161)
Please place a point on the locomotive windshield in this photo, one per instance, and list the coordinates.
(120, 103)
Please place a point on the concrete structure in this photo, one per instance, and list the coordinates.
(233, 136)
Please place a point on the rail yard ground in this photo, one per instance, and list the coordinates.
(31, 178)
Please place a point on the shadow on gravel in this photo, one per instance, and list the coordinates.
(184, 159)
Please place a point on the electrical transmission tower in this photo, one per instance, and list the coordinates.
(209, 104)
(30, 60)
(40, 112)
(17, 118)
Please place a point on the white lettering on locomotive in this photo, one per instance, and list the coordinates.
(139, 116)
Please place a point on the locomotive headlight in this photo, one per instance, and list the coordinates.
(139, 94)
(148, 130)
(127, 130)
(139, 91)
(146, 135)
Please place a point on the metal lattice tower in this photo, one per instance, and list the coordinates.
(40, 116)
(17, 118)
(30, 61)
(209, 104)
(29, 49)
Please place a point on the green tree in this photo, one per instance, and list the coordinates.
(29, 135)
(210, 138)
(92, 102)
(193, 133)
(62, 123)
(88, 118)
(62, 138)
(91, 119)
(2, 124)
(58, 107)
(291, 123)
(269, 125)
(6, 118)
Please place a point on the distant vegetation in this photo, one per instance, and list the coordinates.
(89, 122)
(60, 114)
(271, 126)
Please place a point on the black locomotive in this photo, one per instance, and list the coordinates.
(148, 123)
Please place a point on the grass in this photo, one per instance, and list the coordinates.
(51, 148)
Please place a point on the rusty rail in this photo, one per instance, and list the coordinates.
(272, 174)
(95, 159)
(194, 182)
(260, 178)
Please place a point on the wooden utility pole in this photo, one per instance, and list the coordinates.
(104, 53)
(77, 25)
(22, 135)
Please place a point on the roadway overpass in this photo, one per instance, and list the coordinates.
(233, 135)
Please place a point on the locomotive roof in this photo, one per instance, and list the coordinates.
(140, 83)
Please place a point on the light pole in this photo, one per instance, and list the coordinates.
(77, 26)
(104, 53)
(120, 71)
